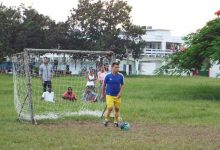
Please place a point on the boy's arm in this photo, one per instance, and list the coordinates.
(42, 97)
(52, 71)
(98, 76)
(120, 92)
(95, 77)
(75, 96)
(53, 96)
(40, 72)
(121, 88)
(105, 81)
(87, 77)
(103, 90)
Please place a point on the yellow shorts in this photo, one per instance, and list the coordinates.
(113, 101)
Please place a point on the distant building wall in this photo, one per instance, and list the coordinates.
(160, 43)
(214, 71)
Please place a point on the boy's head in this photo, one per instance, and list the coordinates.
(102, 68)
(106, 66)
(69, 90)
(45, 60)
(115, 67)
(49, 90)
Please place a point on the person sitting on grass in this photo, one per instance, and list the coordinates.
(90, 95)
(48, 95)
(69, 95)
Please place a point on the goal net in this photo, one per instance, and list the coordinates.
(37, 99)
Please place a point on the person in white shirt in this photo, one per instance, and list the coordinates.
(91, 78)
(48, 96)
(101, 76)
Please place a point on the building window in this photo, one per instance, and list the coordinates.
(153, 45)
(173, 46)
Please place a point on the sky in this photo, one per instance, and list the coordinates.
(180, 16)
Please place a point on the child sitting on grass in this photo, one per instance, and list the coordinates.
(48, 95)
(69, 95)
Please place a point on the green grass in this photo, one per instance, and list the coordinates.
(165, 113)
(172, 100)
(59, 86)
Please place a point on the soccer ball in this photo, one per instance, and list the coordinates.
(125, 126)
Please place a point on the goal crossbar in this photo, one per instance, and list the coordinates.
(69, 51)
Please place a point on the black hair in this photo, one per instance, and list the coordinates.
(115, 63)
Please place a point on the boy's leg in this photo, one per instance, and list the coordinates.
(44, 86)
(117, 104)
(99, 92)
(116, 120)
(110, 104)
(86, 96)
(94, 96)
(49, 84)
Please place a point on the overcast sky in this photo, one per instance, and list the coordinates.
(180, 16)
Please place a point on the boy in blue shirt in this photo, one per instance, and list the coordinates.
(113, 85)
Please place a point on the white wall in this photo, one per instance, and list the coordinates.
(214, 70)
(148, 68)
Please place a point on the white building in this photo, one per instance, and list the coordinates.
(160, 43)
(214, 71)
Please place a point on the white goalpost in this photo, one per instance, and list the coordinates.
(69, 69)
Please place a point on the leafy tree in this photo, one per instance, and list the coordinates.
(103, 25)
(202, 48)
(135, 44)
(9, 24)
(56, 35)
(86, 19)
(33, 28)
(94, 25)
(25, 28)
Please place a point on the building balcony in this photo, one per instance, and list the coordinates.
(157, 52)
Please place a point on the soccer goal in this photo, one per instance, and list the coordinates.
(69, 69)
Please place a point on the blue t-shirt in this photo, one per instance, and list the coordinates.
(113, 83)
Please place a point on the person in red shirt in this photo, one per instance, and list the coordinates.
(69, 95)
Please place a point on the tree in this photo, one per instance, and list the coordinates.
(135, 43)
(24, 27)
(94, 25)
(102, 25)
(34, 27)
(9, 24)
(202, 48)
(87, 19)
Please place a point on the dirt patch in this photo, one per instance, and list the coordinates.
(145, 134)
(169, 130)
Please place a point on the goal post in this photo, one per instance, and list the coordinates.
(69, 69)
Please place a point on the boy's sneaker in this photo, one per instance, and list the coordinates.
(106, 123)
(116, 124)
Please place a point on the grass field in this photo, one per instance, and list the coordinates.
(165, 113)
